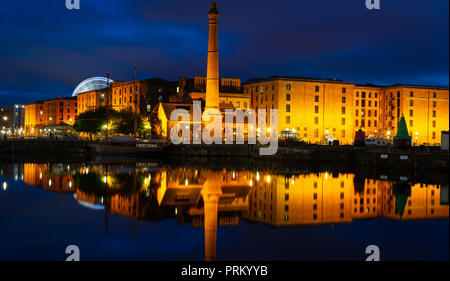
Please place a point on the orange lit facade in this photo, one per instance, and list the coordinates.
(60, 110)
(34, 116)
(425, 110)
(91, 100)
(317, 110)
(141, 96)
(323, 110)
(50, 112)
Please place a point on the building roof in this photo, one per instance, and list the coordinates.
(295, 79)
(337, 81)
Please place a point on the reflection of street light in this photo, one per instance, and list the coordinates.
(268, 179)
(4, 185)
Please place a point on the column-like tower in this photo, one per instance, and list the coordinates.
(212, 75)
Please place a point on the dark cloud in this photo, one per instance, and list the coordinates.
(46, 49)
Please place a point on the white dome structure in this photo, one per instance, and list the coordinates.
(93, 83)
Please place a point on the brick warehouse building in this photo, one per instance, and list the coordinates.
(329, 109)
(50, 112)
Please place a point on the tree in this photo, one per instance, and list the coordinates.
(123, 122)
(92, 121)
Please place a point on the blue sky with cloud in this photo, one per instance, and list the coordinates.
(46, 50)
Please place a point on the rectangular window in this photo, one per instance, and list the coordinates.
(288, 119)
(411, 103)
(245, 104)
(317, 88)
(344, 90)
(362, 123)
(411, 123)
(316, 109)
(411, 113)
(363, 95)
(343, 99)
(433, 135)
(343, 110)
(368, 123)
(411, 94)
(357, 94)
(288, 108)
(316, 98)
(357, 102)
(288, 97)
(434, 103)
(357, 113)
(343, 133)
(356, 123)
(316, 120)
(434, 113)
(343, 121)
(375, 123)
(434, 124)
(434, 95)
(316, 133)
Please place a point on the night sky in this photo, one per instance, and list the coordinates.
(46, 50)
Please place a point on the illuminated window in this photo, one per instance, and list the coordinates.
(288, 86)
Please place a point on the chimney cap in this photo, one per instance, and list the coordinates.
(213, 8)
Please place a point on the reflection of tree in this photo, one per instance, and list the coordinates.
(112, 183)
(401, 191)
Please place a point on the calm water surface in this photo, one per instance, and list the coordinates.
(145, 211)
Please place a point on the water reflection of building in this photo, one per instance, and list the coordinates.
(56, 177)
(328, 199)
(205, 198)
(303, 199)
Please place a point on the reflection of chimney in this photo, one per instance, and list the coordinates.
(212, 74)
(211, 193)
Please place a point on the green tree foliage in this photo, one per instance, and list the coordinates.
(122, 122)
(91, 121)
